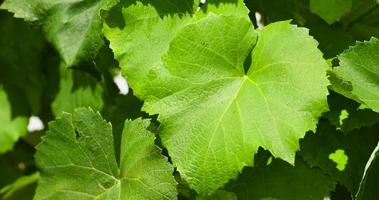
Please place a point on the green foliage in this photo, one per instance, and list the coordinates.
(330, 10)
(77, 161)
(74, 27)
(358, 73)
(222, 92)
(11, 129)
(240, 99)
(279, 180)
(368, 186)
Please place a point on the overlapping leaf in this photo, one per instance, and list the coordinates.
(77, 161)
(139, 40)
(74, 27)
(21, 62)
(77, 89)
(357, 77)
(330, 10)
(356, 145)
(279, 180)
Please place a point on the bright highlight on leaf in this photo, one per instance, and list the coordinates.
(11, 129)
(344, 115)
(330, 10)
(77, 161)
(340, 158)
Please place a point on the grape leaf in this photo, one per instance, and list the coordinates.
(368, 189)
(357, 145)
(216, 117)
(21, 61)
(357, 77)
(77, 161)
(11, 129)
(74, 27)
(279, 180)
(278, 10)
(333, 39)
(330, 10)
(355, 117)
(139, 40)
(226, 7)
(77, 89)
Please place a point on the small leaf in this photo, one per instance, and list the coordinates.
(77, 161)
(359, 66)
(282, 181)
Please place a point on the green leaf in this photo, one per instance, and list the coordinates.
(359, 67)
(214, 119)
(77, 89)
(152, 31)
(22, 61)
(139, 40)
(11, 129)
(363, 20)
(346, 115)
(74, 27)
(77, 161)
(278, 10)
(357, 146)
(226, 7)
(368, 189)
(330, 10)
(279, 180)
(21, 189)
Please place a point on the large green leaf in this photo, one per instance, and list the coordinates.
(321, 149)
(73, 26)
(77, 161)
(368, 189)
(215, 116)
(330, 10)
(357, 77)
(11, 129)
(279, 180)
